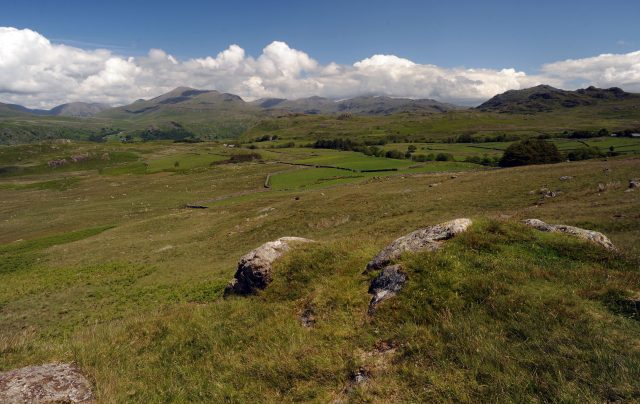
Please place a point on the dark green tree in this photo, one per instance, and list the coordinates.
(530, 151)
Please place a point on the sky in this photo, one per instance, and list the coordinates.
(455, 51)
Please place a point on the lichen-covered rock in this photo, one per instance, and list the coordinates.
(49, 383)
(255, 268)
(590, 235)
(388, 282)
(427, 239)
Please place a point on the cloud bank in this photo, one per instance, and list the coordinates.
(38, 73)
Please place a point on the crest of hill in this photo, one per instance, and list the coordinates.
(544, 98)
(182, 100)
(363, 105)
(79, 109)
(73, 109)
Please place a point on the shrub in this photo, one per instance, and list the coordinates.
(444, 157)
(585, 153)
(530, 151)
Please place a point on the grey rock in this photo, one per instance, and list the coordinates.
(49, 383)
(589, 235)
(308, 318)
(388, 282)
(255, 268)
(634, 183)
(547, 193)
(426, 239)
(566, 178)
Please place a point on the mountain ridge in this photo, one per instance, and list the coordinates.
(545, 98)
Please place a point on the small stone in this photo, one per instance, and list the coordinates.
(566, 178)
(307, 318)
(384, 286)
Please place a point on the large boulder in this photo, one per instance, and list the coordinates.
(388, 282)
(255, 268)
(49, 383)
(590, 235)
(427, 239)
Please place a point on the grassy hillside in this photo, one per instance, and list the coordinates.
(437, 127)
(101, 264)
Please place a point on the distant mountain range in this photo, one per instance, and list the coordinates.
(189, 100)
(545, 98)
(365, 105)
(185, 100)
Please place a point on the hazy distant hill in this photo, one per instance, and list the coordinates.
(7, 110)
(73, 109)
(365, 105)
(374, 105)
(79, 109)
(544, 98)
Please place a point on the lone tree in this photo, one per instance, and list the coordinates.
(530, 151)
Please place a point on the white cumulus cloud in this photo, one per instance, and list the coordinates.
(606, 70)
(38, 73)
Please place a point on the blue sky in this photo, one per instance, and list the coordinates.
(491, 34)
(455, 51)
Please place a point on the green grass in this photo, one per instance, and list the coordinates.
(357, 161)
(183, 162)
(58, 185)
(311, 177)
(502, 314)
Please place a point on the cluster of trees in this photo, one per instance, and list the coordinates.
(586, 153)
(266, 138)
(368, 147)
(174, 133)
(485, 160)
(530, 151)
(536, 151)
(101, 136)
(471, 138)
(586, 134)
(432, 157)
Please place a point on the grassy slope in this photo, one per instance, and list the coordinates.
(441, 126)
(502, 313)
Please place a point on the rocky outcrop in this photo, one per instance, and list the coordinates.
(255, 268)
(590, 235)
(427, 239)
(388, 282)
(50, 383)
